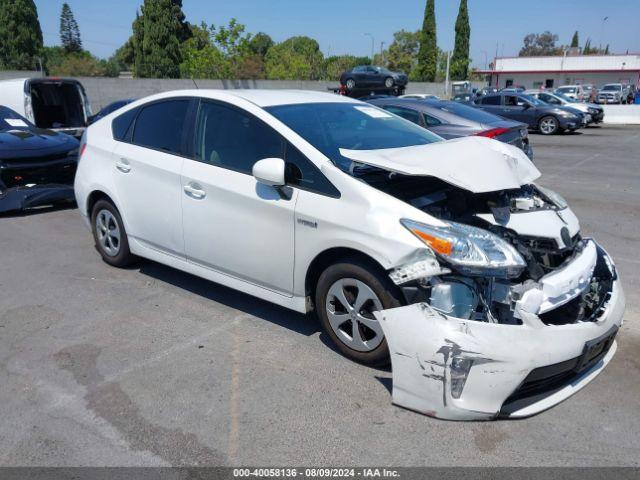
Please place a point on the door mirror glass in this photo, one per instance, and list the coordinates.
(269, 171)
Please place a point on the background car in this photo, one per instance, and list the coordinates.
(112, 107)
(452, 120)
(421, 96)
(572, 91)
(58, 104)
(590, 92)
(611, 93)
(373, 78)
(544, 118)
(37, 166)
(594, 113)
(464, 97)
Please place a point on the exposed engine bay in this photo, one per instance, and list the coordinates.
(515, 216)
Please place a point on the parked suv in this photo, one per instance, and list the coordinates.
(575, 92)
(441, 256)
(58, 104)
(547, 119)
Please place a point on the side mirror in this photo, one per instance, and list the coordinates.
(269, 171)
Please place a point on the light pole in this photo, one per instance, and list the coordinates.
(485, 59)
(382, 59)
(602, 31)
(373, 42)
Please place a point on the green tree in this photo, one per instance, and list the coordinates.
(402, 54)
(606, 50)
(69, 30)
(537, 45)
(157, 35)
(428, 52)
(460, 59)
(20, 34)
(297, 58)
(260, 44)
(335, 65)
(587, 47)
(575, 43)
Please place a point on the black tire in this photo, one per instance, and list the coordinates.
(377, 281)
(350, 84)
(389, 82)
(122, 256)
(548, 125)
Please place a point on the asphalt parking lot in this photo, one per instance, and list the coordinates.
(151, 366)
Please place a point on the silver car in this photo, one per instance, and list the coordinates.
(593, 113)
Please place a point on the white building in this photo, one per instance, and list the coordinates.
(552, 72)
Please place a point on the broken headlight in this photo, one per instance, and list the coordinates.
(470, 250)
(459, 372)
(553, 197)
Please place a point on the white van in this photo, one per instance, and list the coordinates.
(58, 104)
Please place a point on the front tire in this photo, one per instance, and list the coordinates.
(350, 84)
(110, 235)
(548, 125)
(346, 296)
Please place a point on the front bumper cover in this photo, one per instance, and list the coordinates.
(424, 342)
(26, 197)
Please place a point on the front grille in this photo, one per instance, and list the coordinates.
(18, 175)
(544, 381)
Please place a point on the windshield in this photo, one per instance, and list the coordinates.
(10, 120)
(352, 126)
(567, 90)
(612, 87)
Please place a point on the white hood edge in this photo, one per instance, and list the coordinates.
(476, 164)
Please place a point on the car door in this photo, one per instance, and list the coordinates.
(373, 77)
(516, 108)
(233, 224)
(491, 104)
(147, 170)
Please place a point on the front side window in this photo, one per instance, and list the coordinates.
(330, 127)
(300, 172)
(226, 137)
(161, 125)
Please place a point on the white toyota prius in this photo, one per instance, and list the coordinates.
(442, 257)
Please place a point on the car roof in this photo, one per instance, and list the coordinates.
(259, 97)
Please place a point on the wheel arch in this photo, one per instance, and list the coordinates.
(331, 256)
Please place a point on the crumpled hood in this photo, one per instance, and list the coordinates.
(476, 164)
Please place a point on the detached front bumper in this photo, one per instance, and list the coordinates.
(505, 370)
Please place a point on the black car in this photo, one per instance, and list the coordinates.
(540, 116)
(37, 167)
(112, 107)
(372, 78)
(453, 120)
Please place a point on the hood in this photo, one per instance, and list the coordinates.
(476, 164)
(26, 143)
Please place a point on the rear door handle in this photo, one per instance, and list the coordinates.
(123, 165)
(194, 191)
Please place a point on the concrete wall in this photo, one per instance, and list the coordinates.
(622, 114)
(9, 74)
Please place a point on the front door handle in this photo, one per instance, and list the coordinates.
(123, 165)
(195, 191)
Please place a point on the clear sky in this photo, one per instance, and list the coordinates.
(339, 26)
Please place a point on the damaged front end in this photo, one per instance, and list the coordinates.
(509, 310)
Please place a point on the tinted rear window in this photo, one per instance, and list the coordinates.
(494, 100)
(160, 125)
(120, 125)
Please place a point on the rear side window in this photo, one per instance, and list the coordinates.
(432, 121)
(493, 100)
(160, 126)
(121, 125)
(405, 113)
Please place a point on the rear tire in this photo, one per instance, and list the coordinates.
(350, 84)
(348, 292)
(110, 235)
(548, 125)
(389, 82)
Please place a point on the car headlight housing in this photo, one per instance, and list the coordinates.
(469, 250)
(592, 111)
(553, 197)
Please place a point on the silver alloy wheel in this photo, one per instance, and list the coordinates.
(548, 125)
(351, 84)
(350, 305)
(108, 232)
(388, 82)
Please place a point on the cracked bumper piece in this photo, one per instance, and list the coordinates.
(25, 197)
(458, 369)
